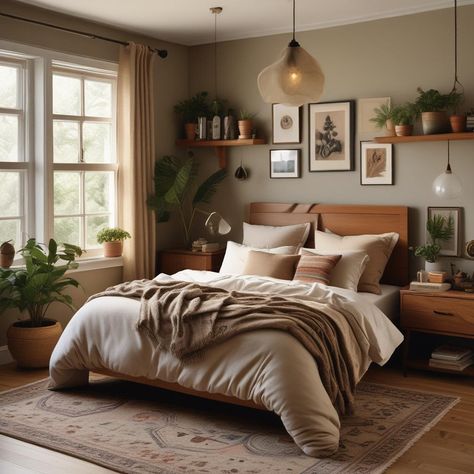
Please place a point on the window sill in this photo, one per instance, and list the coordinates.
(86, 264)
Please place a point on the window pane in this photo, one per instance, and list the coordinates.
(10, 230)
(97, 143)
(67, 230)
(66, 95)
(9, 87)
(66, 193)
(66, 141)
(10, 194)
(99, 191)
(8, 138)
(98, 98)
(94, 225)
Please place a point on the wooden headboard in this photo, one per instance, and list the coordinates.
(345, 220)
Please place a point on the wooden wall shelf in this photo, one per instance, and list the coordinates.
(441, 137)
(220, 146)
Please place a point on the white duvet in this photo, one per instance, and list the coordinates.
(269, 367)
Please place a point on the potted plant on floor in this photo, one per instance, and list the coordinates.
(432, 105)
(112, 239)
(189, 111)
(440, 229)
(403, 116)
(383, 119)
(33, 288)
(456, 119)
(245, 124)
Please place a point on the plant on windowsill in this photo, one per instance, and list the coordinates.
(174, 180)
(440, 229)
(112, 239)
(33, 288)
(190, 110)
(7, 254)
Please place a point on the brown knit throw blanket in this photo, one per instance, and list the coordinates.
(185, 318)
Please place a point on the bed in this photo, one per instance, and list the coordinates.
(265, 369)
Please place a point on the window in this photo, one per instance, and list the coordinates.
(84, 159)
(13, 156)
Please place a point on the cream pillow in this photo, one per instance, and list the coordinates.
(271, 265)
(236, 256)
(378, 247)
(348, 270)
(267, 236)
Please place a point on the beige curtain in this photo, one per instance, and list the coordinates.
(136, 152)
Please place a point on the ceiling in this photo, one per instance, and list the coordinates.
(189, 22)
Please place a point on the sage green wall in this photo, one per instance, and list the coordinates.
(389, 57)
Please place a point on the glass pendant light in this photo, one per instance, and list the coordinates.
(295, 79)
(447, 184)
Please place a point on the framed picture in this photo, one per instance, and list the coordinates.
(285, 163)
(451, 247)
(331, 136)
(366, 129)
(286, 124)
(376, 163)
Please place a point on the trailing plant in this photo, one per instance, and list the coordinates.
(112, 234)
(41, 282)
(174, 180)
(404, 114)
(431, 101)
(440, 229)
(191, 109)
(382, 115)
(244, 115)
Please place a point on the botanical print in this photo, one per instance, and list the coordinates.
(449, 247)
(330, 135)
(376, 163)
(285, 124)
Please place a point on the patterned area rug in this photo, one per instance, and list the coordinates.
(133, 428)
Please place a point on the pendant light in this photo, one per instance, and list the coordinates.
(447, 184)
(295, 79)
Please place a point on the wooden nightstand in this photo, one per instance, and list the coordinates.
(172, 261)
(443, 315)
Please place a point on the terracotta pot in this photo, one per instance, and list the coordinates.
(434, 122)
(403, 130)
(245, 129)
(32, 346)
(458, 123)
(389, 128)
(190, 129)
(113, 249)
(6, 260)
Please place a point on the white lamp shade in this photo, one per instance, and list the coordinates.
(217, 225)
(295, 79)
(447, 185)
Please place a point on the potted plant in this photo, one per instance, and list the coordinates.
(403, 117)
(174, 180)
(33, 288)
(383, 119)
(112, 239)
(7, 254)
(190, 110)
(432, 105)
(440, 229)
(457, 120)
(245, 124)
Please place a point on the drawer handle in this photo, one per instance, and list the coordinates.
(441, 313)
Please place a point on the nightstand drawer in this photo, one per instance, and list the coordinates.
(450, 315)
(172, 261)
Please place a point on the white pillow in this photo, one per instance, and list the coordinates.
(267, 236)
(236, 256)
(377, 246)
(348, 270)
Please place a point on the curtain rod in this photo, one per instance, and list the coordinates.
(162, 53)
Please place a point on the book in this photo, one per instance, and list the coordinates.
(461, 365)
(426, 286)
(437, 277)
(451, 353)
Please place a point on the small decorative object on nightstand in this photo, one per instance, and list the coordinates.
(172, 261)
(437, 319)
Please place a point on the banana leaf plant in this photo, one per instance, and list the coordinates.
(41, 281)
(174, 180)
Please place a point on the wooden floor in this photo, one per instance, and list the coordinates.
(448, 448)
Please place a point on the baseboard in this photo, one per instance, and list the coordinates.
(5, 356)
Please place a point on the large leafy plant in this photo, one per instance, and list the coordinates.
(174, 180)
(41, 281)
(440, 229)
(190, 109)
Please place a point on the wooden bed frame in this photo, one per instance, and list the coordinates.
(340, 219)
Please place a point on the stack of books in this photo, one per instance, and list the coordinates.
(452, 358)
(470, 122)
(427, 286)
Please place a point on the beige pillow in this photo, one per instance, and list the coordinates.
(267, 236)
(271, 265)
(378, 247)
(348, 270)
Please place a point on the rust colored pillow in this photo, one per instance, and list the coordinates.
(271, 265)
(316, 268)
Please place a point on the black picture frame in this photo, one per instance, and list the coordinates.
(296, 173)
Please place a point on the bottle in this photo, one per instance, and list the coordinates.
(216, 127)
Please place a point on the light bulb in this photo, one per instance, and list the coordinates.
(447, 185)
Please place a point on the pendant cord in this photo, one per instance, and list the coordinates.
(215, 55)
(294, 15)
(456, 81)
(448, 168)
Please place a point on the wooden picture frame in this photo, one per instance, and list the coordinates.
(376, 163)
(286, 124)
(331, 136)
(285, 163)
(453, 247)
